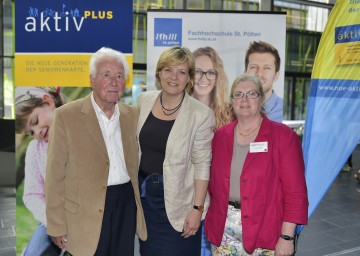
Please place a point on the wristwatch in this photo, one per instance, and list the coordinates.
(286, 237)
(200, 208)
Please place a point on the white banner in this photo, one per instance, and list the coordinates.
(229, 33)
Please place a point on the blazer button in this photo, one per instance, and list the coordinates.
(244, 181)
(107, 163)
(245, 198)
(100, 210)
(246, 216)
(104, 187)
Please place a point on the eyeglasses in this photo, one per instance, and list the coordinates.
(108, 77)
(248, 95)
(210, 74)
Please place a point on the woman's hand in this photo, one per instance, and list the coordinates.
(60, 241)
(192, 223)
(284, 247)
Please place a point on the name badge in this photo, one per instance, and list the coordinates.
(256, 147)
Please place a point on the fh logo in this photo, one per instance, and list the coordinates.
(162, 36)
(167, 32)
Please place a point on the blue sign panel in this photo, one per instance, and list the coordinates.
(73, 26)
(167, 32)
(347, 34)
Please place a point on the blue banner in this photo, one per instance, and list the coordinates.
(332, 126)
(55, 39)
(73, 26)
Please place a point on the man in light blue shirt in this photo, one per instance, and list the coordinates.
(274, 107)
(263, 60)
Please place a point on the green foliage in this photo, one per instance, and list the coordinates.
(74, 93)
(25, 222)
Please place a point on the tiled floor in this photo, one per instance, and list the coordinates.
(7, 221)
(334, 228)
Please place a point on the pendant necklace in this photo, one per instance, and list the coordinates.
(173, 110)
(250, 133)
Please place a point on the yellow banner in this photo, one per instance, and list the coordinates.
(65, 70)
(340, 43)
(348, 53)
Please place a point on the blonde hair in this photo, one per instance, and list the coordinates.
(176, 55)
(29, 99)
(219, 95)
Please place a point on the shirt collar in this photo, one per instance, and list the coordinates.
(100, 113)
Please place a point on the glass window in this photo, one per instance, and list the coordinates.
(6, 63)
(301, 47)
(296, 92)
(304, 17)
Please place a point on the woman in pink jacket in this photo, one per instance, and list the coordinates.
(257, 184)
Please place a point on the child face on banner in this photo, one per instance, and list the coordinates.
(263, 65)
(39, 121)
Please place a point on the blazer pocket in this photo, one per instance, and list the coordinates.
(71, 206)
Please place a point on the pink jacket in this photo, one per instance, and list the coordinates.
(273, 188)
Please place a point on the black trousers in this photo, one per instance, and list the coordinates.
(119, 222)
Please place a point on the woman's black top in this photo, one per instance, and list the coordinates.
(153, 138)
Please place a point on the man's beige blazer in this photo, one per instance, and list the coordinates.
(187, 156)
(77, 173)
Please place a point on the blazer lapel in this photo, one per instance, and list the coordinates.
(125, 126)
(229, 138)
(147, 104)
(92, 124)
(261, 137)
(179, 123)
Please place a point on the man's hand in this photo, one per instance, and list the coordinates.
(60, 241)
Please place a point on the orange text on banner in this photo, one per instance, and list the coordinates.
(56, 70)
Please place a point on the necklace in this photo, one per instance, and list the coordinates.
(250, 133)
(173, 110)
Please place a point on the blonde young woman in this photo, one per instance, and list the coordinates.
(211, 84)
(211, 88)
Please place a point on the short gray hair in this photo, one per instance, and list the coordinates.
(106, 52)
(254, 79)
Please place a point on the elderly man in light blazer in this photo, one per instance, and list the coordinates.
(93, 205)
